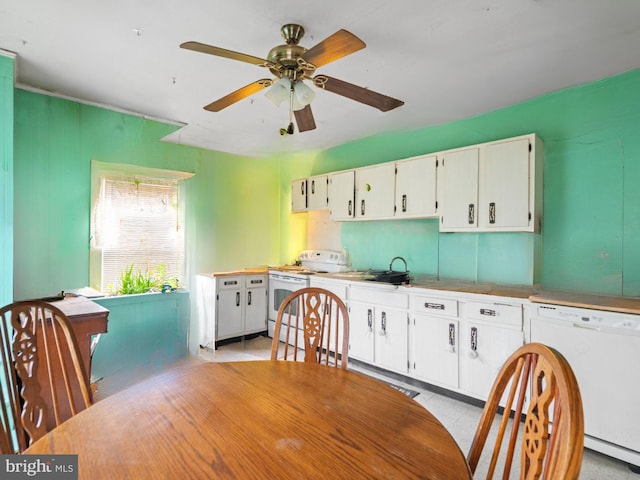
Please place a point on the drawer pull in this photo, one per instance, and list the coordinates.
(452, 338)
(383, 322)
(473, 353)
(434, 306)
(230, 282)
(488, 312)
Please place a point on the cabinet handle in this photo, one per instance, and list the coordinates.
(302, 188)
(362, 207)
(249, 297)
(473, 353)
(313, 187)
(383, 322)
(487, 312)
(404, 202)
(492, 212)
(434, 306)
(350, 208)
(472, 214)
(237, 299)
(370, 319)
(452, 338)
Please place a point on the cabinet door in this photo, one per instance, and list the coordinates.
(484, 349)
(391, 329)
(415, 190)
(341, 195)
(375, 191)
(317, 192)
(299, 195)
(361, 333)
(435, 350)
(229, 313)
(504, 185)
(256, 310)
(459, 184)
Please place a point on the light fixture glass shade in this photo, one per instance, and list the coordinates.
(302, 95)
(279, 91)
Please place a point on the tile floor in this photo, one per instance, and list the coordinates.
(460, 418)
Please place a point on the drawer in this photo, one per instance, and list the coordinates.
(230, 283)
(379, 297)
(494, 313)
(443, 307)
(255, 281)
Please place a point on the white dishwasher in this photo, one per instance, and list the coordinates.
(603, 349)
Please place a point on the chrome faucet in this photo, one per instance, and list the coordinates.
(403, 261)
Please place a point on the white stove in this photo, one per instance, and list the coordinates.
(286, 279)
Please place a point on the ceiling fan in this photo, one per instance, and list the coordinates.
(292, 64)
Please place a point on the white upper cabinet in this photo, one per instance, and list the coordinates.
(299, 195)
(489, 187)
(416, 187)
(342, 195)
(375, 189)
(458, 189)
(505, 185)
(492, 187)
(317, 192)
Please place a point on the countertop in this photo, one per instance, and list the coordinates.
(244, 271)
(533, 293)
(433, 283)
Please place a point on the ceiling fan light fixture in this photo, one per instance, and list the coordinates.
(280, 91)
(302, 95)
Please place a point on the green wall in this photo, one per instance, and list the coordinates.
(6, 178)
(234, 208)
(591, 222)
(239, 207)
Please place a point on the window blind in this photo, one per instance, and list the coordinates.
(137, 222)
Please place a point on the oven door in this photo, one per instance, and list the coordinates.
(280, 287)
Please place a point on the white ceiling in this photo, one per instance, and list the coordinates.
(446, 59)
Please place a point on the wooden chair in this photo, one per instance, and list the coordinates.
(553, 436)
(312, 324)
(42, 377)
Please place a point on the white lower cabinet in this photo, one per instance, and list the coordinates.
(460, 343)
(361, 334)
(454, 340)
(434, 340)
(378, 332)
(255, 315)
(490, 333)
(240, 304)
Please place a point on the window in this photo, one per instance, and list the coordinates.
(137, 223)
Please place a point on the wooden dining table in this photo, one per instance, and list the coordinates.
(257, 420)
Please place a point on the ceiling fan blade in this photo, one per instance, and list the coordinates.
(304, 119)
(359, 94)
(338, 45)
(238, 95)
(221, 52)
